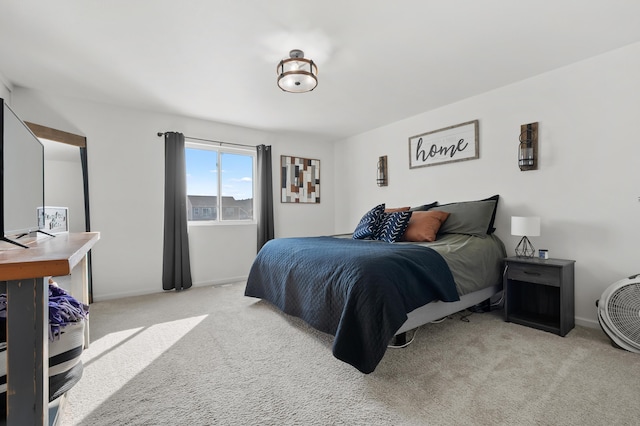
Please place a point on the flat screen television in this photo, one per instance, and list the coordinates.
(21, 178)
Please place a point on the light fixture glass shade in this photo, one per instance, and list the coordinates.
(525, 226)
(297, 74)
(525, 155)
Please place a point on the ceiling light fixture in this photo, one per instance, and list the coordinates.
(297, 74)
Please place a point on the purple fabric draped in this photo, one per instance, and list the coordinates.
(64, 309)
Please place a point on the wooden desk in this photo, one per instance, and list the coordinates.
(26, 272)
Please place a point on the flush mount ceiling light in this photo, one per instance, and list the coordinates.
(297, 74)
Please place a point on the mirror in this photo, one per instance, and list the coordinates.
(66, 179)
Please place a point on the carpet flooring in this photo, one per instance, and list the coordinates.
(210, 356)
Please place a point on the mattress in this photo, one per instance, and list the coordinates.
(357, 290)
(361, 291)
(475, 262)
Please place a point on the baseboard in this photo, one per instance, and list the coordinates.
(122, 295)
(585, 322)
(230, 280)
(589, 323)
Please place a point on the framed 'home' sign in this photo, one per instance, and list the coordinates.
(454, 143)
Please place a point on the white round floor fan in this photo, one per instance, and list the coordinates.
(619, 313)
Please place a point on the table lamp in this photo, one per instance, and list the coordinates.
(523, 227)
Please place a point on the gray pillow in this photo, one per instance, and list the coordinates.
(424, 207)
(468, 217)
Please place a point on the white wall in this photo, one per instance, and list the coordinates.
(126, 172)
(586, 190)
(5, 90)
(63, 188)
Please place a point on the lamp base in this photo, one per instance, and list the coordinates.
(525, 248)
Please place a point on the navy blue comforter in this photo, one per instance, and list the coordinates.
(359, 291)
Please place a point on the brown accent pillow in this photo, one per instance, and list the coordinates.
(424, 226)
(398, 209)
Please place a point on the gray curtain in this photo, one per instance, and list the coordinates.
(176, 270)
(265, 195)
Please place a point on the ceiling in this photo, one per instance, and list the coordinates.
(379, 61)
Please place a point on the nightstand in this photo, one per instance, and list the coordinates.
(539, 293)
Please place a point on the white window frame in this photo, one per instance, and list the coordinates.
(229, 150)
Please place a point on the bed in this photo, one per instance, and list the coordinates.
(364, 291)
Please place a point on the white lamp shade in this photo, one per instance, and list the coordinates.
(525, 226)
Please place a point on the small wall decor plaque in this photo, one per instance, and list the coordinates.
(454, 143)
(300, 180)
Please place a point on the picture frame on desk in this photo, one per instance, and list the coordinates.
(54, 220)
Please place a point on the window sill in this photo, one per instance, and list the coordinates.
(199, 223)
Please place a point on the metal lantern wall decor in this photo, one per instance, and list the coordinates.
(382, 171)
(528, 148)
(297, 74)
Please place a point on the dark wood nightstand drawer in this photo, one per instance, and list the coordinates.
(538, 274)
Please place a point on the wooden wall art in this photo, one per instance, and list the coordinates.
(300, 180)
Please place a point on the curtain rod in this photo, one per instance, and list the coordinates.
(210, 140)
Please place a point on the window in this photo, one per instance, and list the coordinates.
(219, 179)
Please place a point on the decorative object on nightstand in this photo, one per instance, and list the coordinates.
(382, 171)
(523, 227)
(528, 148)
(539, 293)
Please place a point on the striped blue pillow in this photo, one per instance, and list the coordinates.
(366, 229)
(392, 226)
